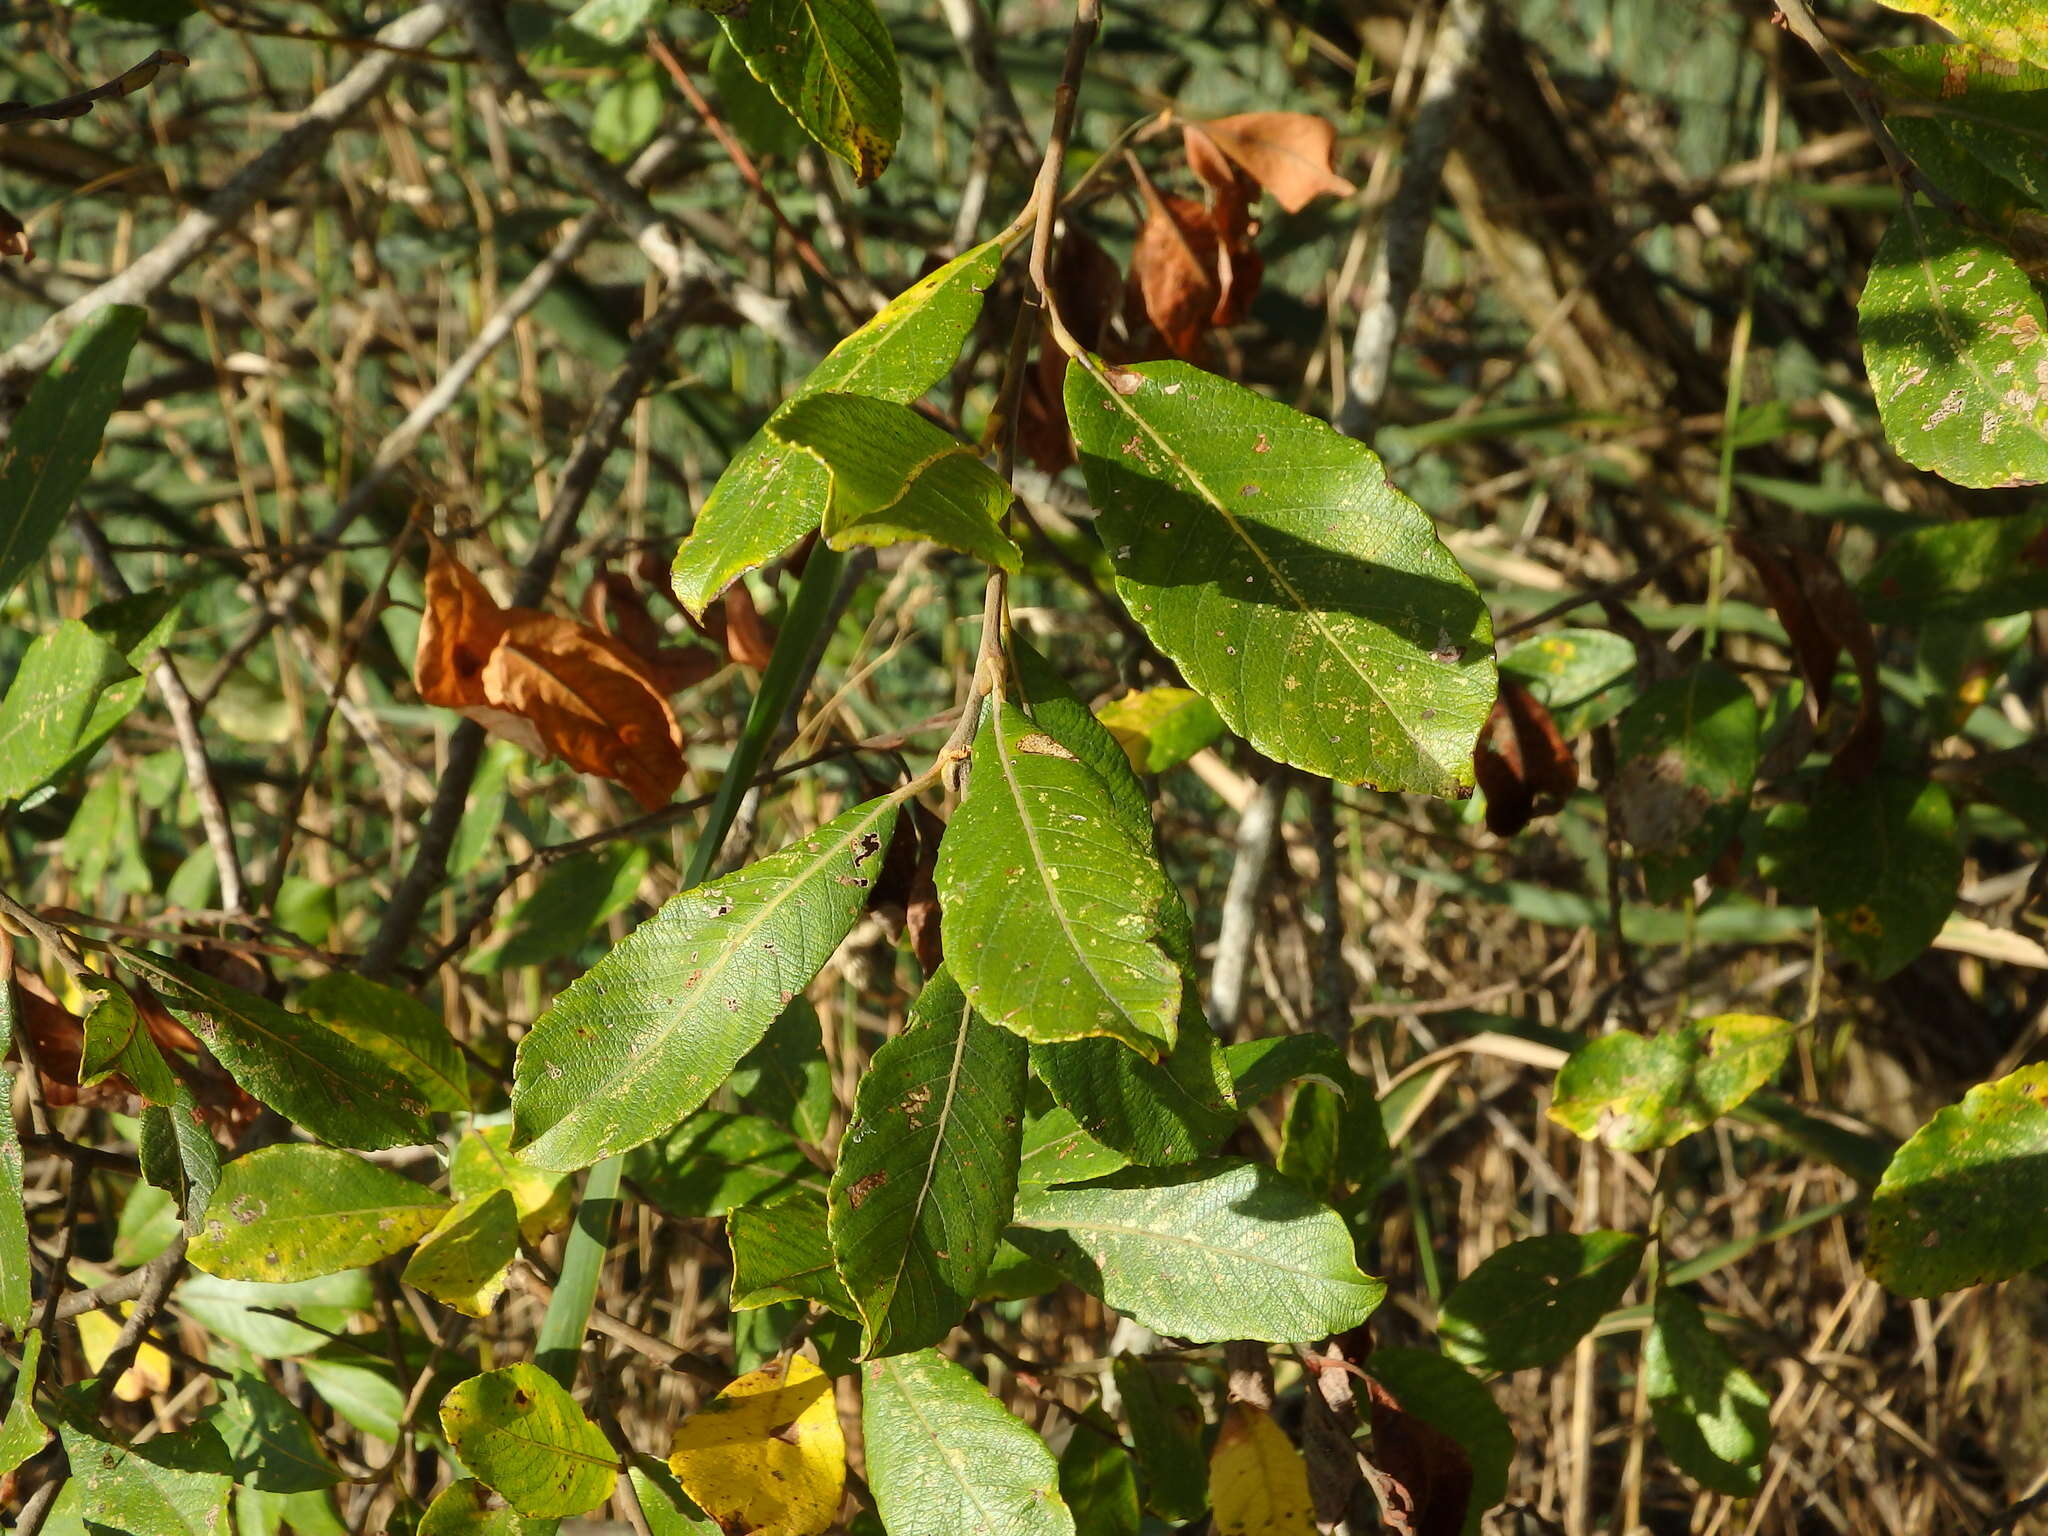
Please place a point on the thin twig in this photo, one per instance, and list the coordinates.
(1397, 259)
(664, 1354)
(145, 278)
(1258, 834)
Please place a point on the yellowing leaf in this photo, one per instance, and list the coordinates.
(484, 1161)
(151, 1371)
(464, 1261)
(1258, 1483)
(767, 1455)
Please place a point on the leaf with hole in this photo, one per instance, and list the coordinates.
(1206, 1252)
(1960, 1203)
(928, 1170)
(644, 1036)
(1527, 1304)
(1053, 921)
(292, 1212)
(946, 1459)
(766, 1455)
(770, 494)
(1638, 1092)
(1267, 555)
(1953, 335)
(526, 1439)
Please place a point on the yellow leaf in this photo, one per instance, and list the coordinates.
(1258, 1483)
(766, 1456)
(149, 1374)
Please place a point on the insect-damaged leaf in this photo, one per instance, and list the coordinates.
(766, 1455)
(1206, 1252)
(555, 687)
(293, 1212)
(1053, 923)
(1960, 1204)
(525, 1438)
(830, 62)
(1267, 555)
(946, 1459)
(1952, 333)
(928, 1170)
(1258, 1483)
(771, 495)
(642, 1038)
(300, 1068)
(897, 477)
(1636, 1092)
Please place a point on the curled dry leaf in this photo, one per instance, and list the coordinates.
(1288, 153)
(1822, 619)
(616, 607)
(553, 686)
(1522, 762)
(1088, 286)
(1174, 272)
(1422, 1476)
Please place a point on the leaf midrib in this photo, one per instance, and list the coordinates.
(931, 1431)
(931, 1163)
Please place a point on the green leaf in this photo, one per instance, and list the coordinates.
(484, 1161)
(1052, 916)
(1879, 859)
(763, 123)
(1154, 1113)
(1980, 568)
(1637, 1092)
(398, 1029)
(174, 1485)
(772, 495)
(1161, 728)
(21, 1432)
(1582, 676)
(56, 436)
(830, 62)
(1265, 1066)
(273, 1446)
(1687, 754)
(275, 1322)
(1956, 340)
(1267, 555)
(928, 1170)
(291, 1212)
(1991, 110)
(2012, 29)
(49, 712)
(786, 1078)
(946, 1459)
(716, 1162)
(896, 477)
(16, 1298)
(524, 1437)
(783, 1252)
(668, 1509)
(1219, 1250)
(1711, 1416)
(1055, 1150)
(1098, 1479)
(485, 814)
(462, 1263)
(304, 1071)
(1961, 1203)
(1166, 1433)
(466, 1508)
(1528, 1303)
(645, 1035)
(362, 1390)
(1443, 1393)
(574, 898)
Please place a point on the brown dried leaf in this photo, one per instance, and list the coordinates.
(1521, 762)
(57, 1035)
(749, 640)
(1822, 619)
(129, 81)
(462, 625)
(14, 237)
(1174, 272)
(589, 702)
(1088, 286)
(1424, 1477)
(1287, 153)
(616, 607)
